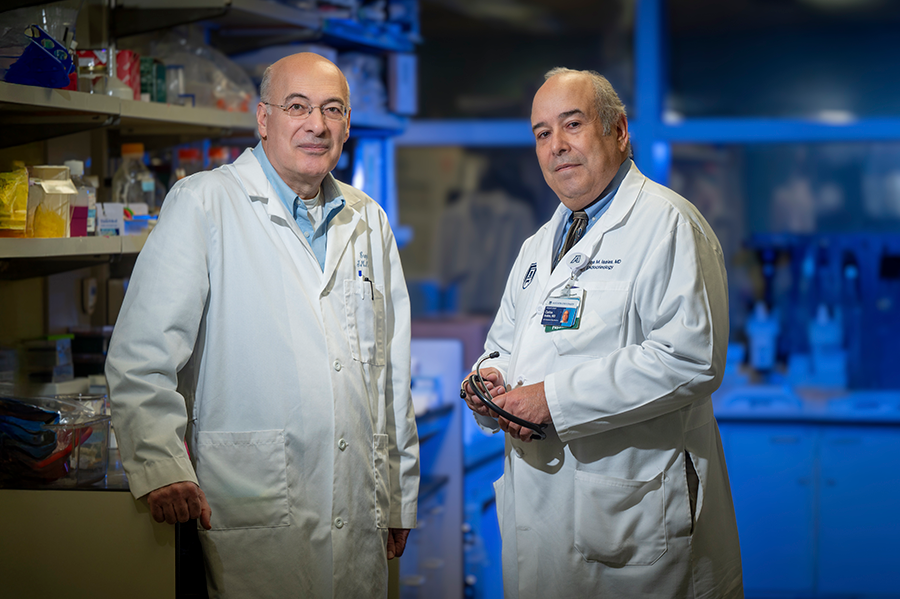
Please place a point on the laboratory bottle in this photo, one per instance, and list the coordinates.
(218, 156)
(762, 330)
(84, 210)
(190, 161)
(133, 183)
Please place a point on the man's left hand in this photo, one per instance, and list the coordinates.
(528, 403)
(396, 542)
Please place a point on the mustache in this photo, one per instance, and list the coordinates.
(557, 164)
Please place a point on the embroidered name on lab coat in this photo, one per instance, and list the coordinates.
(602, 264)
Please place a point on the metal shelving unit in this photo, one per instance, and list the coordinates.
(244, 25)
(652, 133)
(29, 114)
(27, 258)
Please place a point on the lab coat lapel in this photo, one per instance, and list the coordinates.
(259, 189)
(544, 256)
(342, 230)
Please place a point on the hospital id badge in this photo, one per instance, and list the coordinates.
(562, 312)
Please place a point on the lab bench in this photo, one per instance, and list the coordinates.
(814, 479)
(88, 542)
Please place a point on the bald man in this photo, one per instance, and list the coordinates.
(259, 368)
(628, 495)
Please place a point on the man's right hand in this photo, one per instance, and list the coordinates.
(179, 502)
(493, 380)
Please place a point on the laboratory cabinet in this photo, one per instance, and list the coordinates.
(858, 505)
(771, 472)
(85, 544)
(432, 566)
(816, 504)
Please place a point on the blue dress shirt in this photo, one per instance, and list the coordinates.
(595, 210)
(334, 202)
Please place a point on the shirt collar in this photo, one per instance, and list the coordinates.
(331, 194)
(600, 205)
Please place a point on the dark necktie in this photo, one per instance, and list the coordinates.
(576, 231)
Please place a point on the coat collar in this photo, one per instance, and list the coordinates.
(621, 206)
(341, 228)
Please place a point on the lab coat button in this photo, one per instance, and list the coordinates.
(342, 445)
(337, 365)
(339, 523)
(520, 452)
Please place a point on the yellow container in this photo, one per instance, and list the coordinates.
(49, 198)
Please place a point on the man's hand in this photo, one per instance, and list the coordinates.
(528, 403)
(493, 380)
(396, 542)
(179, 502)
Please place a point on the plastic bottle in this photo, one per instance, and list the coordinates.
(762, 329)
(133, 183)
(84, 211)
(218, 156)
(190, 161)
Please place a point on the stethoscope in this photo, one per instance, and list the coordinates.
(576, 262)
(484, 395)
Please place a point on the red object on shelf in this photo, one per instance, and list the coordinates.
(128, 70)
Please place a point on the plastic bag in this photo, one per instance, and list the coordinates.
(13, 203)
(210, 78)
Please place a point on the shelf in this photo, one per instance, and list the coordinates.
(15, 4)
(132, 17)
(517, 132)
(347, 31)
(29, 113)
(777, 130)
(238, 26)
(375, 122)
(26, 258)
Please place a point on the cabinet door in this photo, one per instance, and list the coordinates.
(771, 469)
(860, 511)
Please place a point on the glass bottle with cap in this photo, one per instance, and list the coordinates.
(133, 184)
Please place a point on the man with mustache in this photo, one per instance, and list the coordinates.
(628, 495)
(266, 326)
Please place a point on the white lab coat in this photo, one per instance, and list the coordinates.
(601, 507)
(292, 385)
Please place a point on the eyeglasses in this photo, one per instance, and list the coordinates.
(299, 110)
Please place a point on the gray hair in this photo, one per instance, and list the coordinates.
(609, 107)
(265, 84)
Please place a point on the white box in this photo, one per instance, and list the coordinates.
(110, 218)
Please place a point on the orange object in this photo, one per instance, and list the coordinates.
(135, 150)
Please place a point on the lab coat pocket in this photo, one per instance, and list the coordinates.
(364, 305)
(382, 472)
(600, 330)
(619, 522)
(243, 475)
